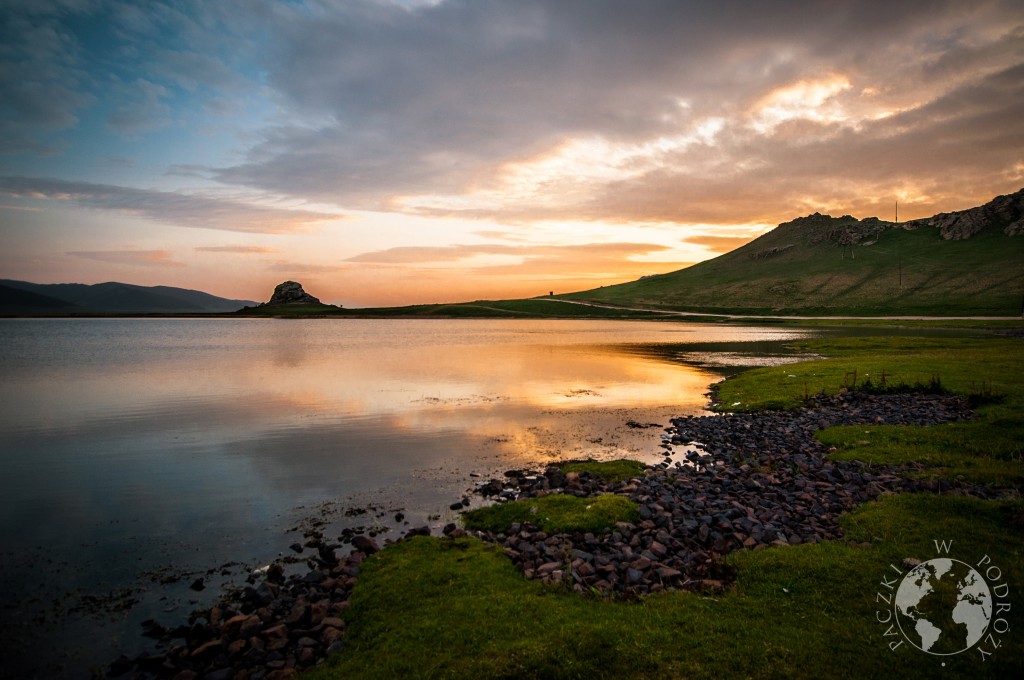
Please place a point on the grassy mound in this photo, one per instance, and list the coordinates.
(556, 513)
(443, 608)
(608, 471)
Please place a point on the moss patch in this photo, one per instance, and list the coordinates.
(555, 513)
(609, 471)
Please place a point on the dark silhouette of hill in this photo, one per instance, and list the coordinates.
(23, 297)
(18, 301)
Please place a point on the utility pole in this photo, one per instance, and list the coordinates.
(899, 255)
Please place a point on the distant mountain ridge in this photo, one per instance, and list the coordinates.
(23, 297)
(968, 262)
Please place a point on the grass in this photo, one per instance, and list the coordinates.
(982, 453)
(438, 608)
(989, 450)
(609, 471)
(901, 273)
(290, 311)
(534, 308)
(556, 513)
(442, 608)
(964, 365)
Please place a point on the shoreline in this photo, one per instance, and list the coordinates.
(696, 507)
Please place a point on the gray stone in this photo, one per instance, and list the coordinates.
(291, 293)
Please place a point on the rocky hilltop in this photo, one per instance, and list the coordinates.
(1002, 212)
(291, 293)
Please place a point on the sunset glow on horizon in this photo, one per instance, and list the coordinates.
(387, 152)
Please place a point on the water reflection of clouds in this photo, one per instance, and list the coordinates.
(205, 414)
(142, 442)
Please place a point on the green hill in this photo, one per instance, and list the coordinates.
(970, 262)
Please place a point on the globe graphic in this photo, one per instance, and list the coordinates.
(943, 606)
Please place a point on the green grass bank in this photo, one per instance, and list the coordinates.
(438, 608)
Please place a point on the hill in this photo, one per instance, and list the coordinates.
(22, 297)
(16, 300)
(970, 262)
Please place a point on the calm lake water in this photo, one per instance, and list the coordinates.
(140, 454)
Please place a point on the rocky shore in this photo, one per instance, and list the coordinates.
(746, 481)
(728, 482)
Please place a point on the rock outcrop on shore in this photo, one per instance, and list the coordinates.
(291, 293)
(742, 481)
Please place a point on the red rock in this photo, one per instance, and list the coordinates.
(282, 674)
(307, 657)
(208, 648)
(331, 635)
(233, 625)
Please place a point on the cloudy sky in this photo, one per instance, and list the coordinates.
(387, 152)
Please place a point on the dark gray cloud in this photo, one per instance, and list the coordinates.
(43, 78)
(129, 60)
(366, 103)
(967, 143)
(167, 207)
(435, 99)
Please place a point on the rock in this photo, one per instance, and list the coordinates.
(291, 293)
(282, 674)
(365, 545)
(152, 629)
(275, 573)
(207, 649)
(1005, 212)
(198, 584)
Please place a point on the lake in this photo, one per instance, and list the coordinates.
(142, 454)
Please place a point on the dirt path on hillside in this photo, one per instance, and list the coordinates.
(786, 317)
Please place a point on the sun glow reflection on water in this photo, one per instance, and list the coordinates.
(138, 445)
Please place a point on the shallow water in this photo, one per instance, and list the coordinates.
(140, 454)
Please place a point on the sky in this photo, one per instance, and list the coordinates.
(385, 153)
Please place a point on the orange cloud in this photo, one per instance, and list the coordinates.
(241, 250)
(141, 258)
